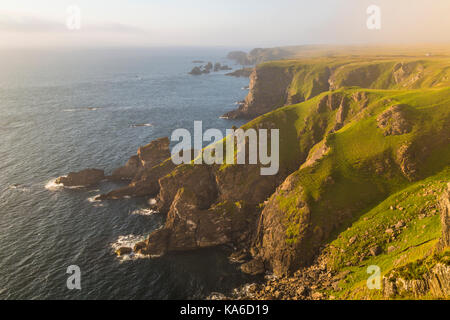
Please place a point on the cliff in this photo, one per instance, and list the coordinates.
(279, 83)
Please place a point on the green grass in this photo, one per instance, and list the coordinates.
(416, 207)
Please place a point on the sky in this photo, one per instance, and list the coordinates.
(231, 23)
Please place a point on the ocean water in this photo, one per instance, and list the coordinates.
(66, 110)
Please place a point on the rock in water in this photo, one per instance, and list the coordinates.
(82, 178)
(196, 71)
(123, 250)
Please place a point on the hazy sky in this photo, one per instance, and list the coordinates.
(248, 23)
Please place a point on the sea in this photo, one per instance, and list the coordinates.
(64, 110)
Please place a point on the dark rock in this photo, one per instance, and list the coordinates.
(196, 71)
(140, 246)
(147, 157)
(208, 67)
(253, 267)
(376, 250)
(157, 243)
(86, 177)
(129, 170)
(123, 251)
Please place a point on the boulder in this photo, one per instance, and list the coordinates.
(123, 251)
(376, 250)
(196, 71)
(253, 267)
(140, 246)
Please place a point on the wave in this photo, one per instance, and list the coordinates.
(20, 187)
(141, 125)
(82, 109)
(95, 203)
(144, 212)
(53, 186)
(128, 241)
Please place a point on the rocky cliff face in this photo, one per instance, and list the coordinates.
(267, 91)
(276, 84)
(444, 205)
(147, 157)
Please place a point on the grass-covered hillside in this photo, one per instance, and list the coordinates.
(277, 83)
(376, 143)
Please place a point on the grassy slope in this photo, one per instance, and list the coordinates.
(310, 75)
(357, 146)
(354, 152)
(414, 205)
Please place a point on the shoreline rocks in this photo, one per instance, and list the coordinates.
(83, 178)
(208, 68)
(147, 157)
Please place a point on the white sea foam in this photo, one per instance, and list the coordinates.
(96, 203)
(19, 187)
(53, 186)
(144, 212)
(141, 125)
(128, 241)
(81, 109)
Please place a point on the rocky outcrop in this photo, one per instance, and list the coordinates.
(123, 251)
(196, 178)
(395, 120)
(435, 282)
(86, 177)
(253, 267)
(267, 92)
(146, 185)
(273, 246)
(144, 170)
(147, 157)
(444, 205)
(332, 101)
(207, 68)
(196, 71)
(129, 170)
(408, 159)
(189, 227)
